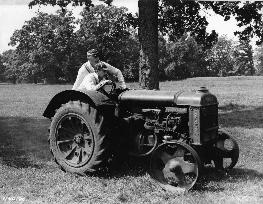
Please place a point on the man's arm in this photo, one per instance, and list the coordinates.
(80, 77)
(88, 83)
(102, 83)
(117, 73)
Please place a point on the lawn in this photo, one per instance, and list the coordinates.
(28, 174)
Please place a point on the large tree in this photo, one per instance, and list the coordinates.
(259, 59)
(148, 35)
(11, 61)
(243, 54)
(176, 18)
(221, 57)
(185, 58)
(45, 42)
(2, 68)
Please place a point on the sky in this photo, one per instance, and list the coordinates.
(13, 14)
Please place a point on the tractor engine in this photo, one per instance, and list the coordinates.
(151, 127)
(155, 117)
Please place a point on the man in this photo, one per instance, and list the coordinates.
(90, 67)
(92, 81)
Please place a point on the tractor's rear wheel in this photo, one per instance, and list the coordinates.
(79, 138)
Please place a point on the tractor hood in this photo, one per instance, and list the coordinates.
(200, 97)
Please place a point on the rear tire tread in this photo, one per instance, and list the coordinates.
(100, 128)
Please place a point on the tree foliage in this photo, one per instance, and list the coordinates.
(45, 42)
(53, 47)
(11, 62)
(243, 55)
(259, 60)
(179, 17)
(247, 14)
(64, 3)
(185, 58)
(220, 57)
(230, 58)
(2, 68)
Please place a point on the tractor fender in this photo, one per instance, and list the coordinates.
(94, 98)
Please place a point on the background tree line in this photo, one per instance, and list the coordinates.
(52, 47)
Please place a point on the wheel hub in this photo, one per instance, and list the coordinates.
(79, 138)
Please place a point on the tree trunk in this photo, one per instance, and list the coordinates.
(50, 75)
(148, 36)
(34, 79)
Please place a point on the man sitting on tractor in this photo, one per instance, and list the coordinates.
(93, 81)
(88, 79)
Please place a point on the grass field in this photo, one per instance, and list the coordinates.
(28, 174)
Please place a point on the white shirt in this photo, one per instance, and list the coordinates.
(89, 82)
(86, 69)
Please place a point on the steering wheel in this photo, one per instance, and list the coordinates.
(108, 88)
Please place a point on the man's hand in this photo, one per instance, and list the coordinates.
(100, 65)
(102, 83)
(106, 81)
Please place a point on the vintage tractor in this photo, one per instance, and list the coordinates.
(178, 131)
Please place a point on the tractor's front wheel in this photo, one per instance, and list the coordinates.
(175, 166)
(79, 138)
(227, 152)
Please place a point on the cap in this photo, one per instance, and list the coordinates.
(93, 52)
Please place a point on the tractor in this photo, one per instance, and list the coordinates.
(177, 131)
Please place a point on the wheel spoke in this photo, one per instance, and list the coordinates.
(87, 137)
(78, 125)
(72, 124)
(224, 153)
(80, 156)
(146, 145)
(89, 151)
(68, 131)
(230, 154)
(71, 151)
(219, 163)
(88, 142)
(64, 141)
(220, 144)
(82, 126)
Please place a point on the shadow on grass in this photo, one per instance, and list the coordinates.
(210, 179)
(23, 142)
(129, 166)
(235, 175)
(232, 107)
(234, 115)
(133, 166)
